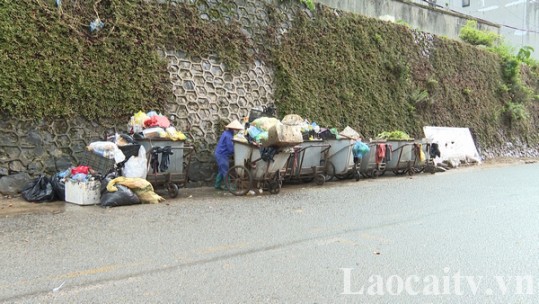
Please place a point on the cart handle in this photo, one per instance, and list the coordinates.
(342, 149)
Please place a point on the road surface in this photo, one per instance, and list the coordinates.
(465, 236)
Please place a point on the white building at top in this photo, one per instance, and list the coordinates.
(518, 19)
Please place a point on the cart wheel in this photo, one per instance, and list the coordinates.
(320, 179)
(342, 176)
(275, 183)
(307, 180)
(330, 171)
(274, 187)
(238, 180)
(357, 175)
(399, 172)
(173, 190)
(411, 171)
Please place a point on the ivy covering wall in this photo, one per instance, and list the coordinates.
(54, 65)
(343, 69)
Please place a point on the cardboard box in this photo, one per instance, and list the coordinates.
(83, 193)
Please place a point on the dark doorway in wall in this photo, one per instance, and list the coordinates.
(465, 3)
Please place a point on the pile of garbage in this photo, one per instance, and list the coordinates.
(118, 160)
(271, 132)
(81, 185)
(111, 172)
(153, 125)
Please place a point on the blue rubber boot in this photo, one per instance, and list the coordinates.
(218, 181)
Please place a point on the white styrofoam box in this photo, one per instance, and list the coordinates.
(83, 193)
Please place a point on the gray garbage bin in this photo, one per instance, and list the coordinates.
(371, 166)
(176, 175)
(342, 158)
(308, 162)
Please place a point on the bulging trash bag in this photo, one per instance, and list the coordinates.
(123, 197)
(59, 186)
(147, 196)
(38, 190)
(360, 149)
(142, 188)
(136, 166)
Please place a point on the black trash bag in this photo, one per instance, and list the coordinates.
(165, 158)
(435, 151)
(154, 160)
(38, 190)
(326, 134)
(268, 153)
(123, 197)
(59, 187)
(105, 181)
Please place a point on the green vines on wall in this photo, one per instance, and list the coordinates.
(517, 93)
(54, 66)
(348, 70)
(375, 76)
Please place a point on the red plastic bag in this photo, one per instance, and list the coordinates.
(80, 169)
(157, 121)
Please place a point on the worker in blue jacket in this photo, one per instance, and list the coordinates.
(225, 149)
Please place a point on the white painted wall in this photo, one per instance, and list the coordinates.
(518, 19)
(436, 21)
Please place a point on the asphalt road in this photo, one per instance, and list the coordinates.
(465, 236)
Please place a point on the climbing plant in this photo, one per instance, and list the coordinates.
(376, 76)
(471, 34)
(54, 65)
(330, 69)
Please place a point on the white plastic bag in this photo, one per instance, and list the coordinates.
(108, 150)
(136, 166)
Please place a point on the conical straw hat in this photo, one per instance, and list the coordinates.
(236, 125)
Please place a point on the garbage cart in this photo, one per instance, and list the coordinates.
(402, 157)
(309, 161)
(373, 164)
(341, 159)
(168, 163)
(258, 167)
